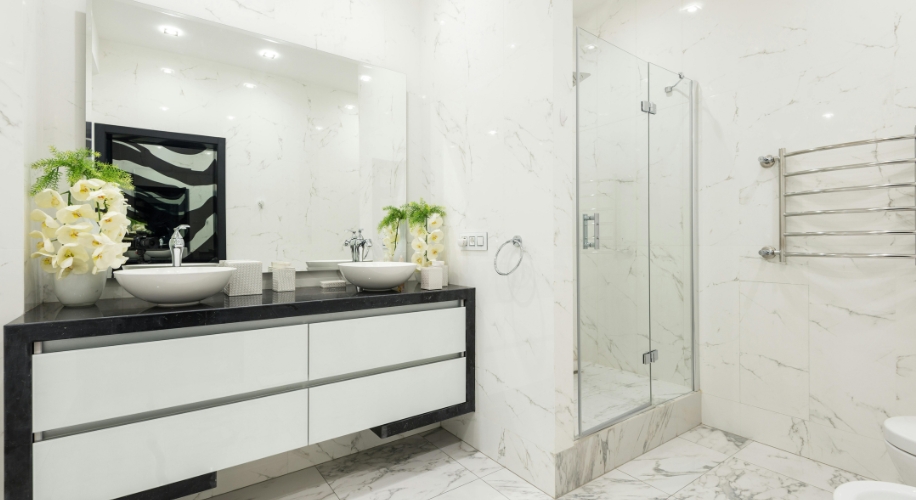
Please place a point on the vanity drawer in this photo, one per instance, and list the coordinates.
(118, 461)
(354, 405)
(89, 385)
(348, 346)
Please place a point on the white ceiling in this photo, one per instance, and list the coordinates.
(139, 24)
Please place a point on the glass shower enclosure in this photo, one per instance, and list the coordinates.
(635, 209)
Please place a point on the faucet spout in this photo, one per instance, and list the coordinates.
(177, 245)
(359, 246)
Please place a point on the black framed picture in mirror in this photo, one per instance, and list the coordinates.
(178, 179)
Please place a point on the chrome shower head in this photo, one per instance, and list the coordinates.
(680, 76)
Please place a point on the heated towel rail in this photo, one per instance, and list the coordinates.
(768, 161)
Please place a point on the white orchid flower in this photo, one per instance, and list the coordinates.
(44, 245)
(115, 233)
(436, 236)
(419, 245)
(73, 213)
(435, 221)
(70, 233)
(435, 251)
(418, 231)
(94, 241)
(108, 195)
(49, 198)
(47, 261)
(71, 257)
(418, 259)
(76, 267)
(104, 256)
(114, 219)
(48, 224)
(81, 190)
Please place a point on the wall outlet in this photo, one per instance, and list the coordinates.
(473, 241)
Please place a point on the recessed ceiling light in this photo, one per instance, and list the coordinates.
(349, 106)
(170, 30)
(589, 47)
(692, 8)
(269, 54)
(828, 115)
(365, 78)
(249, 85)
(168, 71)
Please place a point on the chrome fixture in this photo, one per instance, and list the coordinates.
(680, 76)
(650, 357)
(359, 246)
(585, 243)
(647, 107)
(768, 161)
(176, 245)
(517, 241)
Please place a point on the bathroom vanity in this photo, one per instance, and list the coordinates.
(128, 401)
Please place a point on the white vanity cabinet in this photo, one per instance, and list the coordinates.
(112, 418)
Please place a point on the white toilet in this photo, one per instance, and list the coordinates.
(900, 438)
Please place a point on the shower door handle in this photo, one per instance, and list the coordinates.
(597, 240)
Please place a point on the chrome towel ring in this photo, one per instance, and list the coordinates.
(517, 241)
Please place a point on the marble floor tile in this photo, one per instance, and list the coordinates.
(306, 484)
(409, 469)
(477, 490)
(714, 439)
(739, 480)
(616, 485)
(673, 465)
(808, 471)
(608, 392)
(463, 453)
(513, 487)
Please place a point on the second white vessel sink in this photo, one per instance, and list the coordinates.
(174, 286)
(377, 276)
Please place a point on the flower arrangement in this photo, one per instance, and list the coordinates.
(425, 223)
(87, 235)
(389, 229)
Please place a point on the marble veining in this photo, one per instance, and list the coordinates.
(382, 472)
(681, 470)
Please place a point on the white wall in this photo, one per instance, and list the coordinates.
(498, 155)
(811, 356)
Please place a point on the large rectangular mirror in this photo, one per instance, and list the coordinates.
(267, 149)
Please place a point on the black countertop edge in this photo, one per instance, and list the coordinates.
(52, 321)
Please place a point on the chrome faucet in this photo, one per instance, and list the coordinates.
(176, 245)
(359, 246)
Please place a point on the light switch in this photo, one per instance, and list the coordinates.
(476, 241)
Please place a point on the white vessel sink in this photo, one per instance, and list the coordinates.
(174, 286)
(377, 276)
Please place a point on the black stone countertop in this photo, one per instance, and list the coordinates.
(52, 321)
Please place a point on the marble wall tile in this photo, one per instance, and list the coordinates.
(597, 454)
(773, 329)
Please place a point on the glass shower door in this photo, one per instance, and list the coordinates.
(613, 239)
(671, 233)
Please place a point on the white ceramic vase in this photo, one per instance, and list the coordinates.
(78, 290)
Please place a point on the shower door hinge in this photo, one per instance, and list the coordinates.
(650, 357)
(647, 107)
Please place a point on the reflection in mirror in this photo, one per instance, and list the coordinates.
(315, 144)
